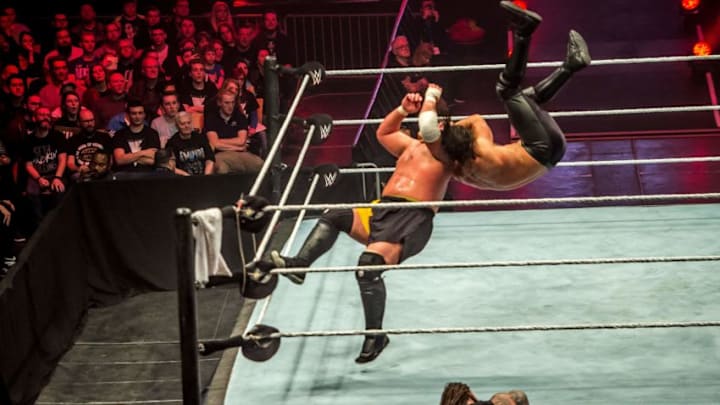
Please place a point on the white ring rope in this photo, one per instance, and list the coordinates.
(580, 113)
(459, 68)
(490, 329)
(289, 242)
(491, 203)
(511, 263)
(279, 137)
(286, 194)
(358, 170)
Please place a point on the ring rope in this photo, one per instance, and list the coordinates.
(279, 137)
(286, 194)
(459, 68)
(289, 242)
(577, 113)
(489, 329)
(511, 263)
(492, 203)
(358, 170)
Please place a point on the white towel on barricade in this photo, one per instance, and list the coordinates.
(207, 230)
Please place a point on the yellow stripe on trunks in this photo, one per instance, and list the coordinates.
(364, 214)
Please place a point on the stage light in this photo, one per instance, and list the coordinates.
(702, 48)
(523, 5)
(690, 6)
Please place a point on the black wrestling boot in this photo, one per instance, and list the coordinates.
(523, 23)
(320, 240)
(372, 347)
(576, 58)
(373, 295)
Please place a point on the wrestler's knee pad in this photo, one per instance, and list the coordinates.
(541, 136)
(369, 259)
(340, 219)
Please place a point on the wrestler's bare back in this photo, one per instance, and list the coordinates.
(418, 175)
(496, 167)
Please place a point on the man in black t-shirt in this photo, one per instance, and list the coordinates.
(227, 132)
(193, 154)
(43, 152)
(83, 146)
(134, 147)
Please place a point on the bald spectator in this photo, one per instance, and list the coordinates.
(113, 103)
(148, 86)
(83, 146)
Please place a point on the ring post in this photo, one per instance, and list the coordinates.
(271, 109)
(187, 307)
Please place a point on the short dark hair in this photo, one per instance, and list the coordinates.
(163, 157)
(132, 103)
(457, 142)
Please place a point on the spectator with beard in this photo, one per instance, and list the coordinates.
(63, 48)
(43, 152)
(83, 146)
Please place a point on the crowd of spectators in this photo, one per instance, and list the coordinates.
(85, 98)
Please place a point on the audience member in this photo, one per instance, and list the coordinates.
(165, 163)
(96, 85)
(199, 89)
(111, 41)
(82, 147)
(148, 87)
(88, 24)
(66, 119)
(134, 147)
(63, 48)
(43, 152)
(213, 70)
(227, 132)
(80, 67)
(165, 124)
(30, 61)
(273, 39)
(192, 151)
(98, 168)
(113, 102)
(132, 24)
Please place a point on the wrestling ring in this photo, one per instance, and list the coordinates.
(642, 278)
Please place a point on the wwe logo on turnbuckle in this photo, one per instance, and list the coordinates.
(325, 131)
(316, 76)
(330, 178)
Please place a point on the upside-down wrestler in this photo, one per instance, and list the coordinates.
(463, 150)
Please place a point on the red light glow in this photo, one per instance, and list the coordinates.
(523, 5)
(690, 5)
(702, 48)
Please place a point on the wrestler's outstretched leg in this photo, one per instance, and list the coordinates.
(576, 58)
(522, 23)
(320, 240)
